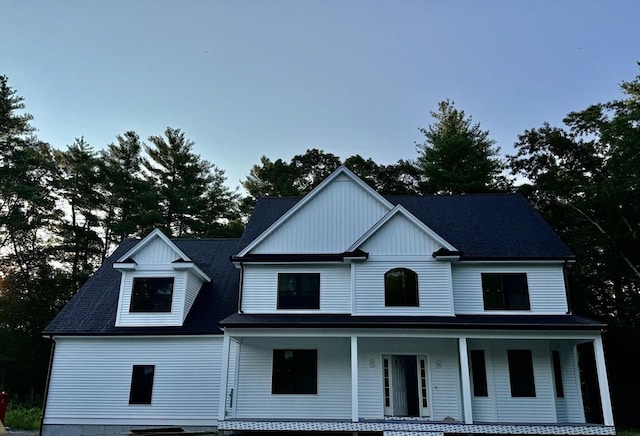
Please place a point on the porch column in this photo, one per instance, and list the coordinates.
(603, 381)
(354, 379)
(222, 405)
(466, 381)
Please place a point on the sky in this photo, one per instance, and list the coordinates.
(244, 79)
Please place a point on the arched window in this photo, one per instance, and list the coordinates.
(400, 287)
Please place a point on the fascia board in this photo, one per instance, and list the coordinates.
(192, 267)
(156, 233)
(399, 209)
(309, 197)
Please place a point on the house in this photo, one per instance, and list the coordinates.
(342, 311)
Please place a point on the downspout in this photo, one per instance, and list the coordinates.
(566, 287)
(46, 389)
(240, 288)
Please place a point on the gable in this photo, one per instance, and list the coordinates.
(401, 236)
(329, 221)
(156, 252)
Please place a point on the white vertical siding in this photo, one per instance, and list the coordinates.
(155, 252)
(333, 400)
(194, 283)
(540, 408)
(338, 215)
(546, 286)
(444, 374)
(434, 288)
(173, 318)
(260, 287)
(91, 380)
(399, 236)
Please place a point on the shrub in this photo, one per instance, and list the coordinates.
(22, 417)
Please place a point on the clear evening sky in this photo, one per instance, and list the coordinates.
(251, 78)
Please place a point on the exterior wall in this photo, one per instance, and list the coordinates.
(339, 214)
(399, 236)
(333, 400)
(434, 286)
(546, 286)
(91, 379)
(193, 287)
(155, 252)
(444, 374)
(146, 319)
(570, 408)
(260, 288)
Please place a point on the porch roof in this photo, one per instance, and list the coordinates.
(506, 322)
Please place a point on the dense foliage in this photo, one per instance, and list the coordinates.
(63, 210)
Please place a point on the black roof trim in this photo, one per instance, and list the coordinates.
(300, 257)
(475, 322)
(444, 252)
(501, 259)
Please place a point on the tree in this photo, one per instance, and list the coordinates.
(457, 156)
(193, 198)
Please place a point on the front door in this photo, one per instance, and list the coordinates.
(405, 385)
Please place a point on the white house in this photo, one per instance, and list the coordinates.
(342, 311)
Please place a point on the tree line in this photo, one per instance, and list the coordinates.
(63, 210)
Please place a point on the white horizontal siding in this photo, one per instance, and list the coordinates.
(540, 408)
(546, 286)
(91, 380)
(570, 408)
(444, 374)
(400, 236)
(434, 288)
(260, 287)
(338, 215)
(194, 283)
(333, 400)
(155, 252)
(174, 318)
(483, 408)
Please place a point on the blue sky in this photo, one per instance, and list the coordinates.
(250, 78)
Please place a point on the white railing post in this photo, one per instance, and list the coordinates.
(224, 375)
(354, 379)
(465, 379)
(603, 381)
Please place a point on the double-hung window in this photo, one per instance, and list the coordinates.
(141, 384)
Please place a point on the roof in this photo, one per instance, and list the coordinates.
(92, 311)
(515, 322)
(480, 226)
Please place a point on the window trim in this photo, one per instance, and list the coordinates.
(137, 384)
(299, 371)
(299, 276)
(522, 380)
(133, 310)
(506, 300)
(387, 290)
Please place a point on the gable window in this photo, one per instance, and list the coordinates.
(151, 294)
(141, 384)
(521, 373)
(479, 372)
(295, 372)
(400, 287)
(557, 374)
(505, 291)
(299, 291)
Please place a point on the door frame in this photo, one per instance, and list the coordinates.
(423, 412)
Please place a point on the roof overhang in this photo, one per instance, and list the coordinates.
(278, 258)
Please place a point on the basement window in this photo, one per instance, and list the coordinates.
(141, 384)
(151, 294)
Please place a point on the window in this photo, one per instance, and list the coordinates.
(479, 372)
(151, 294)
(299, 291)
(295, 372)
(521, 373)
(505, 291)
(400, 287)
(557, 374)
(141, 384)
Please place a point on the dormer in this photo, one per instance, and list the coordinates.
(159, 284)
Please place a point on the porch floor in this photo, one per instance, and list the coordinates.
(410, 427)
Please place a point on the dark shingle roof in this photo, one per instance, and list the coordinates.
(92, 311)
(481, 226)
(517, 322)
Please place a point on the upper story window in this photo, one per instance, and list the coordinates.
(505, 291)
(151, 294)
(299, 291)
(400, 287)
